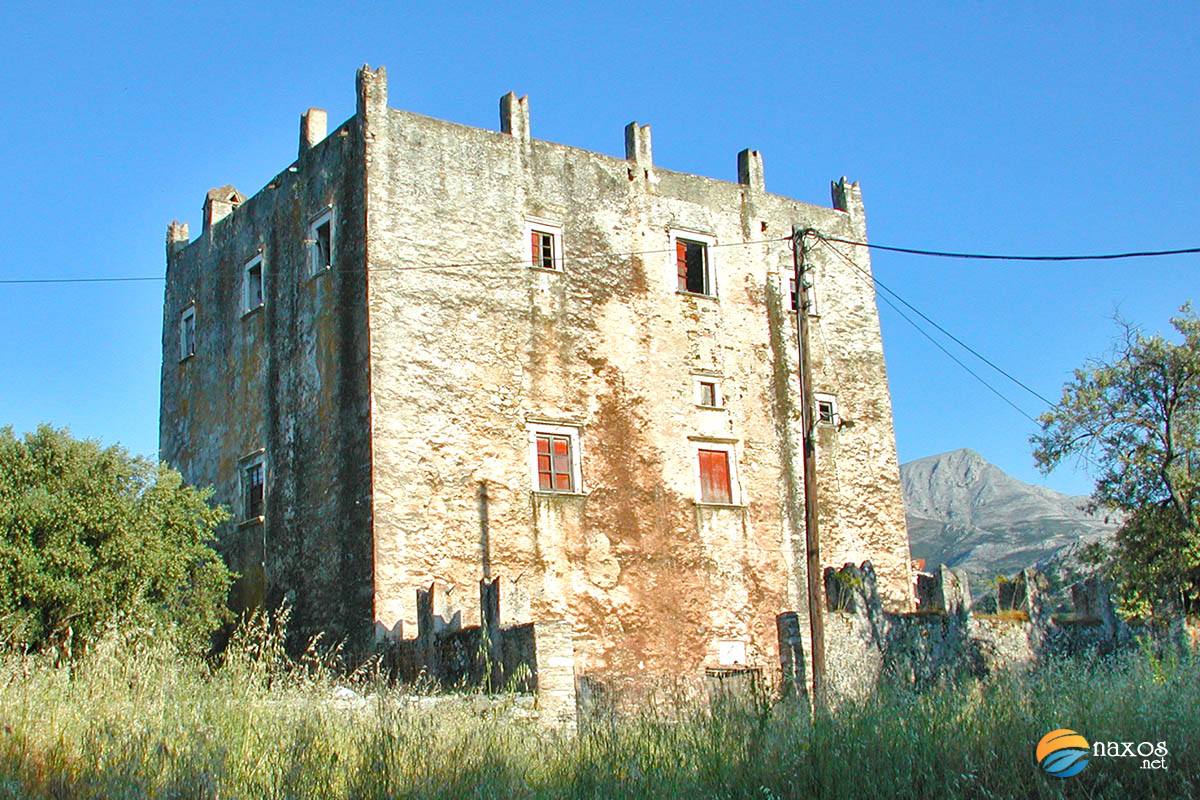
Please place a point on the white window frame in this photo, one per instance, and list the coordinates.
(697, 392)
(729, 446)
(825, 397)
(188, 313)
(262, 279)
(326, 215)
(572, 433)
(555, 230)
(710, 261)
(256, 459)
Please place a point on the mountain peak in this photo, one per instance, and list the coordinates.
(965, 511)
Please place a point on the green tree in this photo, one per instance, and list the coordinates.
(90, 536)
(1134, 418)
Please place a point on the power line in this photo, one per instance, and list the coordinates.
(80, 280)
(997, 257)
(935, 342)
(944, 332)
(472, 264)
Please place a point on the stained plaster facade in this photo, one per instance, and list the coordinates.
(393, 400)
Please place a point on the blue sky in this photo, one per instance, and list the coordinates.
(977, 127)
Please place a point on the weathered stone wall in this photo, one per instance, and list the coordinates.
(391, 395)
(290, 379)
(942, 639)
(463, 358)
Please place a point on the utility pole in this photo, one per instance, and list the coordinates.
(812, 535)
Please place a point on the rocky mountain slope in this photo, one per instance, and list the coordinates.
(968, 514)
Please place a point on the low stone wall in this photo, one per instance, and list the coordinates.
(865, 645)
(532, 658)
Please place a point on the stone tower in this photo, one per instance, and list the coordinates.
(426, 352)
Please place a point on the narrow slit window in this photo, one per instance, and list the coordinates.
(255, 485)
(320, 243)
(554, 463)
(691, 265)
(715, 485)
(253, 282)
(187, 333)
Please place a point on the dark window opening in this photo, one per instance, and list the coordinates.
(254, 286)
(189, 334)
(322, 246)
(715, 486)
(708, 393)
(254, 491)
(542, 246)
(691, 263)
(554, 463)
(825, 411)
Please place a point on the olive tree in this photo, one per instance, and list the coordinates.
(1133, 418)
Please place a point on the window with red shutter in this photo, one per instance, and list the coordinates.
(691, 266)
(544, 244)
(681, 268)
(554, 463)
(715, 486)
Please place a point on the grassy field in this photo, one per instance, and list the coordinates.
(131, 721)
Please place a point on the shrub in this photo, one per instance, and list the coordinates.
(92, 536)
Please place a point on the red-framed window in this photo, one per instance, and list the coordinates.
(554, 463)
(715, 486)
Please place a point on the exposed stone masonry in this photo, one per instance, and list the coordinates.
(392, 399)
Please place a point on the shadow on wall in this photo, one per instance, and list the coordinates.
(535, 657)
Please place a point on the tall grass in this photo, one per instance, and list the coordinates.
(131, 720)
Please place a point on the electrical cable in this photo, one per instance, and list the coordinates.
(998, 257)
(944, 332)
(935, 342)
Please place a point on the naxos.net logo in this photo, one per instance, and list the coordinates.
(1063, 753)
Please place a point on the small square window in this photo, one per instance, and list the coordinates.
(187, 333)
(320, 243)
(554, 453)
(827, 412)
(252, 284)
(708, 391)
(545, 245)
(254, 481)
(543, 249)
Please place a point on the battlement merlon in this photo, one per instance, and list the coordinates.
(514, 116)
(372, 97)
(314, 126)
